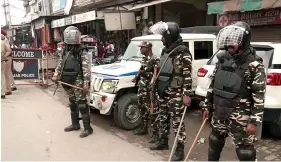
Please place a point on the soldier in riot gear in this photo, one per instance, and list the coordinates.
(174, 85)
(73, 69)
(236, 95)
(146, 73)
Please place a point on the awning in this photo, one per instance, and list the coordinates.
(241, 5)
(149, 4)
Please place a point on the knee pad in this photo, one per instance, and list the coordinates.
(246, 153)
(83, 107)
(216, 143)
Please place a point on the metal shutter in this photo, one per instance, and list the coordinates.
(266, 33)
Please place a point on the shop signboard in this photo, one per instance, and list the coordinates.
(58, 5)
(58, 23)
(68, 21)
(255, 18)
(84, 17)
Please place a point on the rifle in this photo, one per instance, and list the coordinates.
(62, 67)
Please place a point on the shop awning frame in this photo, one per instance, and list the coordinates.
(241, 6)
(148, 4)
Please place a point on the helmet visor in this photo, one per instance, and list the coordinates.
(159, 28)
(230, 36)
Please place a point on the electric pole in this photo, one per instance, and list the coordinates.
(7, 12)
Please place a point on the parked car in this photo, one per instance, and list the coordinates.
(271, 55)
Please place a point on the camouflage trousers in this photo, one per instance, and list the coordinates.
(171, 107)
(144, 103)
(235, 127)
(77, 98)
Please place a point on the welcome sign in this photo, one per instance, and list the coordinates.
(19, 53)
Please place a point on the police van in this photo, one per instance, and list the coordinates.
(112, 89)
(270, 53)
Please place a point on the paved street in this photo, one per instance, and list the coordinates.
(32, 129)
(34, 122)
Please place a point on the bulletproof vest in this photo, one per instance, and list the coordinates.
(169, 74)
(72, 67)
(229, 80)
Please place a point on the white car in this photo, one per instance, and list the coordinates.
(112, 90)
(271, 55)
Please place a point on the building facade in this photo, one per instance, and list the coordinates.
(264, 16)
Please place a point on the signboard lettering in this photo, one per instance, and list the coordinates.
(255, 18)
(25, 69)
(26, 53)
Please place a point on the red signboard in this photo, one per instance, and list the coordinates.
(255, 18)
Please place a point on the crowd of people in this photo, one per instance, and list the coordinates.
(7, 78)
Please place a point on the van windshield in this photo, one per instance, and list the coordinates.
(133, 50)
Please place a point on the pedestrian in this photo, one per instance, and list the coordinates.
(10, 82)
(5, 52)
(174, 86)
(146, 74)
(73, 69)
(236, 94)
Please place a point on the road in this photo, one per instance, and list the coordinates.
(32, 129)
(39, 119)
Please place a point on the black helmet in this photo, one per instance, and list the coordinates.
(247, 35)
(172, 34)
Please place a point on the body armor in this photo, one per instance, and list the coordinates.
(169, 75)
(72, 67)
(229, 90)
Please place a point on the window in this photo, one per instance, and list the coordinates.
(203, 50)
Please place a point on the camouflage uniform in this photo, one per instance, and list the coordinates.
(77, 98)
(231, 115)
(144, 94)
(171, 104)
(173, 83)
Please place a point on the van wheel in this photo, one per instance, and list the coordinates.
(127, 114)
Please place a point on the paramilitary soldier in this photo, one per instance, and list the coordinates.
(236, 94)
(73, 69)
(174, 85)
(146, 75)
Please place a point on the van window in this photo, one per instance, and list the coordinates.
(203, 50)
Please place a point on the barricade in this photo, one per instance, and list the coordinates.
(26, 65)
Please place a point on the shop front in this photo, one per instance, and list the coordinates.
(85, 22)
(264, 17)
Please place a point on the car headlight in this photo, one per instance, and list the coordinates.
(108, 86)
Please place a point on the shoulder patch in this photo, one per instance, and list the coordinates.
(255, 63)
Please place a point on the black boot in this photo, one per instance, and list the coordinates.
(14, 88)
(87, 126)
(142, 131)
(3, 96)
(75, 122)
(179, 153)
(162, 144)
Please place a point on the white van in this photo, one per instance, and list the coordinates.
(270, 53)
(111, 87)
